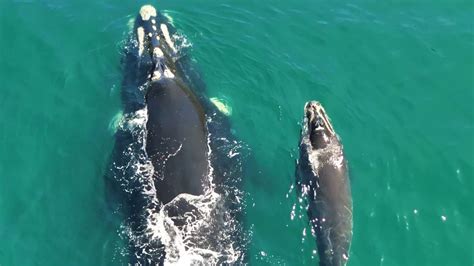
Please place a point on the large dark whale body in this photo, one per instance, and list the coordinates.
(176, 130)
(322, 176)
(176, 139)
(168, 145)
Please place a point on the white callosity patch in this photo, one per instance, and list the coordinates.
(141, 40)
(158, 53)
(147, 11)
(168, 73)
(159, 72)
(156, 75)
(322, 113)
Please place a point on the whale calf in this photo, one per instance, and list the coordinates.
(322, 177)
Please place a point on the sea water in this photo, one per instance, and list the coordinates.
(396, 78)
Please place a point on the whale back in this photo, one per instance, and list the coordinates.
(176, 140)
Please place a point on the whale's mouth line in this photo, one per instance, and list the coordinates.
(317, 119)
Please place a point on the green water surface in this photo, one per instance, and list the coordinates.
(396, 77)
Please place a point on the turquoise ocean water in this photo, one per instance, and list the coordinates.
(396, 77)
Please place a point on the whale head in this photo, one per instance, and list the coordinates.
(319, 127)
(154, 43)
(147, 33)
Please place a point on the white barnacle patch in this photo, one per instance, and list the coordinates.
(166, 33)
(322, 113)
(153, 21)
(168, 73)
(141, 40)
(157, 52)
(147, 11)
(154, 27)
(156, 75)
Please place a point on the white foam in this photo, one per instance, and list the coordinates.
(181, 41)
(332, 154)
(190, 243)
(168, 17)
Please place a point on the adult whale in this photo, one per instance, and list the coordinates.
(175, 168)
(322, 177)
(176, 130)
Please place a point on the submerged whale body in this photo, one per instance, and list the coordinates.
(323, 179)
(170, 175)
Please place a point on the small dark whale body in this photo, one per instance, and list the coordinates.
(322, 177)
